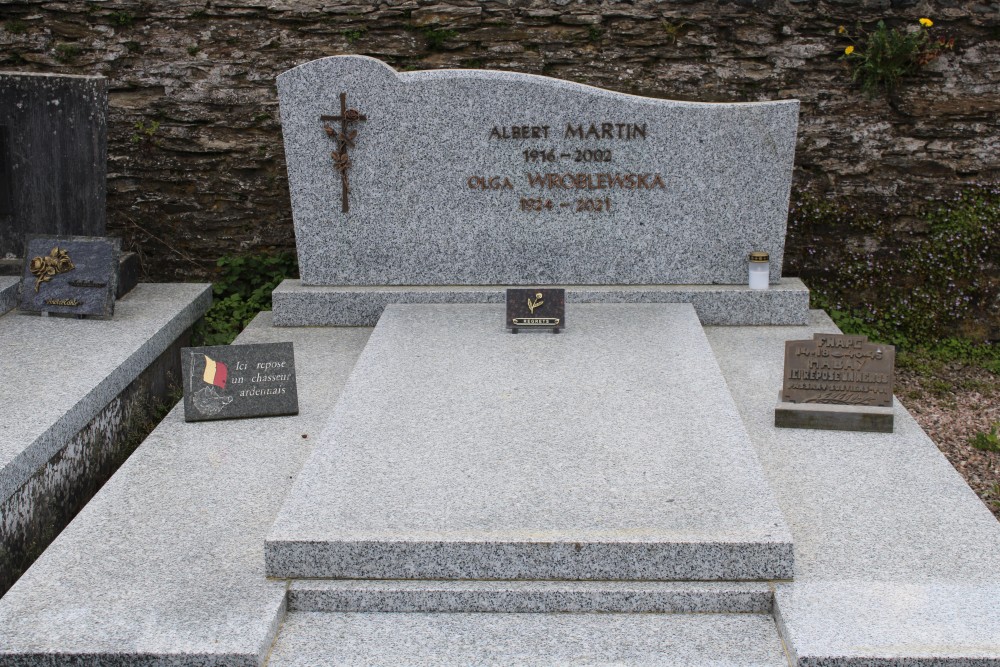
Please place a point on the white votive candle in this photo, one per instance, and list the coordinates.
(760, 270)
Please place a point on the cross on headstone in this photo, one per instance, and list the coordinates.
(344, 138)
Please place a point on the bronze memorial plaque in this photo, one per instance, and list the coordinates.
(838, 369)
(536, 308)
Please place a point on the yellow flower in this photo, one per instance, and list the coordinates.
(849, 50)
(927, 23)
(841, 30)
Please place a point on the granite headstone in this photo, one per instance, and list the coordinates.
(70, 275)
(53, 157)
(527, 180)
(234, 381)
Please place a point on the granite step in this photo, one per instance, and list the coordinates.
(459, 451)
(314, 595)
(297, 304)
(692, 640)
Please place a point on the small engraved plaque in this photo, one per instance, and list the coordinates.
(72, 275)
(536, 308)
(236, 381)
(839, 370)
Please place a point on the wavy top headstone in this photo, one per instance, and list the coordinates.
(474, 177)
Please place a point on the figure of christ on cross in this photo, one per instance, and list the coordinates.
(344, 138)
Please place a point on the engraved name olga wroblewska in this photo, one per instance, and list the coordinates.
(564, 169)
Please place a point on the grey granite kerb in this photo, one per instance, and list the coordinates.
(445, 188)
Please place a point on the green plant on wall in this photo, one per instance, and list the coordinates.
(912, 290)
(880, 58)
(66, 53)
(436, 38)
(242, 289)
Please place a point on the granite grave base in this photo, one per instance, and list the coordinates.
(75, 396)
(297, 304)
(896, 559)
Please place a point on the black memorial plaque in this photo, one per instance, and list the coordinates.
(236, 381)
(536, 308)
(71, 275)
(838, 369)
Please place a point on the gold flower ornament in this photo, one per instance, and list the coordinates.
(45, 268)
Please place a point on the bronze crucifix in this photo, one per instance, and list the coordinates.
(344, 138)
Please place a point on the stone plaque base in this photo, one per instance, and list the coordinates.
(834, 417)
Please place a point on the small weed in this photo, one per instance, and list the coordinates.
(436, 38)
(353, 36)
(144, 133)
(473, 63)
(66, 53)
(881, 58)
(262, 117)
(15, 27)
(193, 50)
(674, 30)
(200, 14)
(987, 442)
(133, 47)
(594, 34)
(122, 18)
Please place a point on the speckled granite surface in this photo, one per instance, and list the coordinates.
(786, 302)
(8, 293)
(57, 373)
(717, 180)
(461, 451)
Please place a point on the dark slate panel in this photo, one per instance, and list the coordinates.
(54, 166)
(234, 381)
(73, 275)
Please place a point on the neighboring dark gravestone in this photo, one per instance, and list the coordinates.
(837, 382)
(536, 308)
(71, 275)
(233, 381)
(53, 157)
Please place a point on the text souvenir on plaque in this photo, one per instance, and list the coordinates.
(234, 381)
(536, 308)
(70, 275)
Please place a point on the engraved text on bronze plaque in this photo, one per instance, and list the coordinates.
(838, 369)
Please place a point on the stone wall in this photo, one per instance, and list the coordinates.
(195, 156)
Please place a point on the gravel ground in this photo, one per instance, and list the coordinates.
(952, 403)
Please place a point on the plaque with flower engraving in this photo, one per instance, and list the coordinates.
(536, 308)
(70, 275)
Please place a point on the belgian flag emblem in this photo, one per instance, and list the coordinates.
(216, 372)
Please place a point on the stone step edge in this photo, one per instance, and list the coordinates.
(296, 304)
(415, 596)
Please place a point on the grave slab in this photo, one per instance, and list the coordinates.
(897, 561)
(297, 304)
(8, 293)
(165, 565)
(349, 595)
(459, 450)
(528, 180)
(57, 373)
(716, 640)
